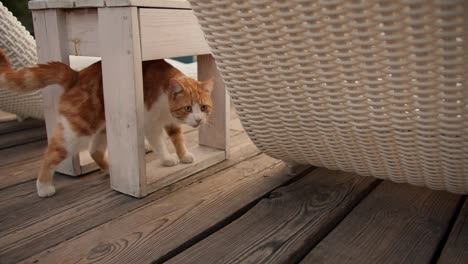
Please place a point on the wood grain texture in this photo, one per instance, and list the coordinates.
(159, 228)
(43, 4)
(396, 223)
(456, 249)
(284, 226)
(82, 32)
(22, 137)
(81, 204)
(178, 34)
(21, 163)
(123, 96)
(13, 126)
(151, 3)
(51, 40)
(216, 134)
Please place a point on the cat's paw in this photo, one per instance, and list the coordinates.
(170, 161)
(45, 189)
(187, 158)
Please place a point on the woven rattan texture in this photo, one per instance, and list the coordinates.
(20, 47)
(373, 87)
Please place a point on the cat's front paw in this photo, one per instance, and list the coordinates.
(170, 161)
(45, 189)
(187, 158)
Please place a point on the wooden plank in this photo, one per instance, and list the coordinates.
(396, 223)
(285, 225)
(43, 4)
(22, 137)
(60, 3)
(82, 30)
(182, 35)
(150, 3)
(37, 4)
(13, 126)
(90, 3)
(20, 164)
(51, 40)
(216, 133)
(123, 96)
(161, 227)
(456, 249)
(159, 176)
(81, 204)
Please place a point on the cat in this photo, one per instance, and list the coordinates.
(170, 100)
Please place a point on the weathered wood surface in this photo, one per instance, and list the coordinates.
(161, 228)
(43, 4)
(121, 54)
(22, 137)
(29, 224)
(287, 224)
(21, 163)
(395, 223)
(456, 249)
(13, 126)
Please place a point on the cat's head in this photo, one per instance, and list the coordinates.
(190, 100)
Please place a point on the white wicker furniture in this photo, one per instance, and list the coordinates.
(374, 87)
(124, 33)
(20, 48)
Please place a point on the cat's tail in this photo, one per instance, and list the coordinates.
(36, 77)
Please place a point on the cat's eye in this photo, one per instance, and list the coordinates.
(188, 108)
(203, 108)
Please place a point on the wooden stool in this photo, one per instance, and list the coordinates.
(124, 34)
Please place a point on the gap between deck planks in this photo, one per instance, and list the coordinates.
(395, 223)
(283, 227)
(33, 224)
(162, 227)
(455, 251)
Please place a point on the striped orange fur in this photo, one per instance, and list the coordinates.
(171, 99)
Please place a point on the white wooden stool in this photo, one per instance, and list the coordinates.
(124, 33)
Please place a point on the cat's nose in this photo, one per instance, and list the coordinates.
(198, 120)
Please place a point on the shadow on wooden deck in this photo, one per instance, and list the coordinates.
(247, 209)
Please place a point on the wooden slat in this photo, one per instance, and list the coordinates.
(284, 226)
(123, 96)
(51, 40)
(161, 227)
(150, 3)
(90, 3)
(22, 137)
(82, 32)
(159, 176)
(456, 249)
(396, 223)
(20, 164)
(216, 133)
(80, 204)
(13, 126)
(43, 4)
(182, 35)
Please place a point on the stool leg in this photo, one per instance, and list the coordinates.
(216, 133)
(123, 96)
(52, 46)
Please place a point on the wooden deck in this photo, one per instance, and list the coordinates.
(244, 210)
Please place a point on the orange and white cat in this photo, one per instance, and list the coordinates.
(171, 99)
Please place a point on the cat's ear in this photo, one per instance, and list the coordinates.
(175, 86)
(208, 85)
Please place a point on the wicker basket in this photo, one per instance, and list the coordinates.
(378, 88)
